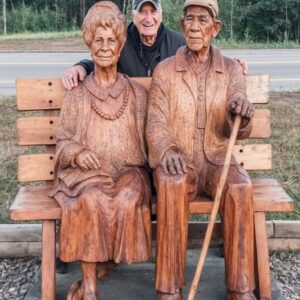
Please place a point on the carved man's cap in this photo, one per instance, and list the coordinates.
(136, 5)
(210, 5)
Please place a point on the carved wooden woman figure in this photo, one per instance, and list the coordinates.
(101, 183)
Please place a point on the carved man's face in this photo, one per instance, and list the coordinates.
(105, 48)
(199, 28)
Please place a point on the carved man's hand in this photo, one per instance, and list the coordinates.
(87, 160)
(72, 76)
(173, 163)
(242, 107)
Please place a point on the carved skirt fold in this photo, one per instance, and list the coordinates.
(107, 223)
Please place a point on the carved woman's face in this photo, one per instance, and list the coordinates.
(105, 48)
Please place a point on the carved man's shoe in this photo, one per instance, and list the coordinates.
(240, 296)
(164, 296)
(75, 291)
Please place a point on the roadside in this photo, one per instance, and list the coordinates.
(55, 44)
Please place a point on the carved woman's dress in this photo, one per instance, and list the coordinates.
(105, 212)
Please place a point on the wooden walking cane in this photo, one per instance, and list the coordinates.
(215, 209)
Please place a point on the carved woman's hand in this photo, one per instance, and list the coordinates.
(87, 160)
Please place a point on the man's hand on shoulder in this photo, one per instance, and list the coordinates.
(243, 64)
(242, 107)
(173, 163)
(72, 76)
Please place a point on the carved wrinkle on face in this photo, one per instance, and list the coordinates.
(105, 48)
(199, 28)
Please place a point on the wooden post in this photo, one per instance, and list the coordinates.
(48, 260)
(263, 267)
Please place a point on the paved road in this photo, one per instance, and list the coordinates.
(282, 65)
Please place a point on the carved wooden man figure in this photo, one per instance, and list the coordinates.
(102, 186)
(193, 100)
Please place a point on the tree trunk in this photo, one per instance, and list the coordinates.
(4, 18)
(231, 20)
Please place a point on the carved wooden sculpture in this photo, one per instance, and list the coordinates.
(193, 99)
(101, 182)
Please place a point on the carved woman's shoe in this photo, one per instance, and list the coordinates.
(104, 269)
(164, 296)
(240, 296)
(75, 291)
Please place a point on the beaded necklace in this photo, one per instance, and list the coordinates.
(118, 114)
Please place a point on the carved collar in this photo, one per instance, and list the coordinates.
(183, 55)
(101, 93)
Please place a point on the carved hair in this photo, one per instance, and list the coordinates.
(107, 15)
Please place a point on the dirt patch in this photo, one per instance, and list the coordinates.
(65, 44)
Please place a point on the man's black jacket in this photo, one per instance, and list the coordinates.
(138, 60)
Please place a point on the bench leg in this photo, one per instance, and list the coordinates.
(263, 267)
(48, 260)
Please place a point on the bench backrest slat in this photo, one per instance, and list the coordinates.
(36, 167)
(48, 93)
(42, 130)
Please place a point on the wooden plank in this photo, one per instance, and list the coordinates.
(262, 256)
(277, 244)
(42, 130)
(34, 248)
(37, 130)
(39, 93)
(48, 260)
(36, 167)
(20, 232)
(286, 229)
(33, 203)
(13, 249)
(258, 88)
(48, 93)
(254, 157)
(261, 124)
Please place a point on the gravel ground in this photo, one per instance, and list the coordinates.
(17, 275)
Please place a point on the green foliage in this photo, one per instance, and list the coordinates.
(243, 20)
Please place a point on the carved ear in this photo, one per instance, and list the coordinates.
(181, 22)
(217, 27)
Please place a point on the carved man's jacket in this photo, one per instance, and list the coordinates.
(172, 110)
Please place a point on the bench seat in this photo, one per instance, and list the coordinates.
(32, 203)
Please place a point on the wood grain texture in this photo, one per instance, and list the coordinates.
(36, 167)
(39, 94)
(32, 203)
(286, 229)
(258, 88)
(263, 267)
(48, 93)
(48, 260)
(42, 130)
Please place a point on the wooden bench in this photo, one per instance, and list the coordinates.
(44, 97)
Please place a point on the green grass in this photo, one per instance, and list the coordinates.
(227, 44)
(285, 113)
(40, 35)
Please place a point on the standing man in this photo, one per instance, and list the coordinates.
(194, 98)
(148, 42)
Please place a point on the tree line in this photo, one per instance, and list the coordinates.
(247, 20)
